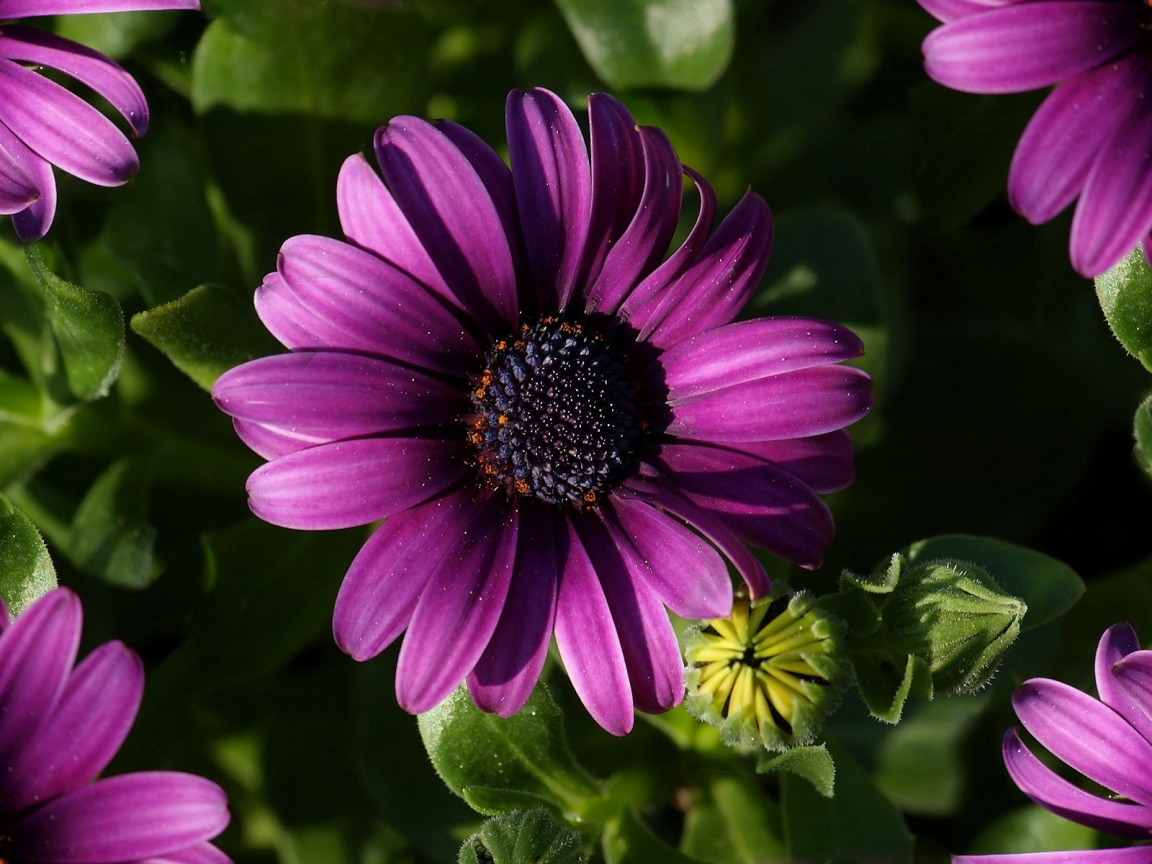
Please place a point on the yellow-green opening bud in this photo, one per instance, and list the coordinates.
(767, 675)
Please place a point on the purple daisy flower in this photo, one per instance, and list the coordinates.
(560, 426)
(1089, 139)
(1108, 740)
(59, 728)
(44, 124)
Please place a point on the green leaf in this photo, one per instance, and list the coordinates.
(205, 333)
(1033, 829)
(492, 802)
(522, 753)
(813, 763)
(1125, 295)
(859, 824)
(682, 44)
(628, 841)
(1142, 430)
(26, 570)
(111, 537)
(88, 327)
(523, 837)
(1049, 587)
(733, 821)
(329, 60)
(885, 687)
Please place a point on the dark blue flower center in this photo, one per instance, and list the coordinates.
(558, 413)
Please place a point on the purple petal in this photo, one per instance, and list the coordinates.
(372, 220)
(617, 178)
(643, 244)
(121, 818)
(19, 168)
(83, 733)
(201, 853)
(1133, 691)
(350, 483)
(719, 282)
(951, 10)
(824, 462)
(750, 350)
(63, 128)
(1118, 642)
(1088, 735)
(553, 181)
(647, 305)
(1030, 45)
(271, 443)
(330, 295)
(1129, 855)
(762, 503)
(379, 593)
(508, 669)
(106, 77)
(686, 573)
(329, 396)
(34, 8)
(589, 644)
(33, 222)
(792, 405)
(651, 652)
(460, 607)
(36, 656)
(1067, 133)
(1054, 793)
(453, 214)
(1115, 209)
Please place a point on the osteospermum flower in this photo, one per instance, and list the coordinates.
(1089, 139)
(44, 124)
(1108, 740)
(59, 728)
(559, 426)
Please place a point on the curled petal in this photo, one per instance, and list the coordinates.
(1133, 690)
(1118, 642)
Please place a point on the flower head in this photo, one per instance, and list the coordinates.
(1089, 138)
(44, 124)
(59, 728)
(560, 426)
(1108, 740)
(769, 673)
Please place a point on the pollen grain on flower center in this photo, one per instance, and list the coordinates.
(558, 413)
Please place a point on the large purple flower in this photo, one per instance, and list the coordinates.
(59, 728)
(1090, 137)
(43, 124)
(560, 426)
(1108, 740)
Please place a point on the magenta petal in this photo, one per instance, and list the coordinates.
(1054, 793)
(122, 818)
(328, 396)
(686, 573)
(1087, 735)
(350, 483)
(36, 657)
(553, 181)
(1129, 855)
(372, 220)
(17, 189)
(1065, 136)
(106, 77)
(763, 504)
(651, 652)
(272, 443)
(1118, 642)
(380, 590)
(1115, 209)
(721, 279)
(201, 853)
(508, 669)
(34, 8)
(795, 404)
(33, 222)
(643, 244)
(952, 10)
(452, 213)
(589, 644)
(1133, 690)
(1030, 45)
(331, 296)
(63, 128)
(459, 609)
(750, 350)
(824, 462)
(83, 733)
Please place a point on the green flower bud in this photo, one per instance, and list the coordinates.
(767, 675)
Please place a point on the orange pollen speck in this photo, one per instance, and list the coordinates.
(522, 487)
(590, 496)
(490, 469)
(502, 419)
(480, 391)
